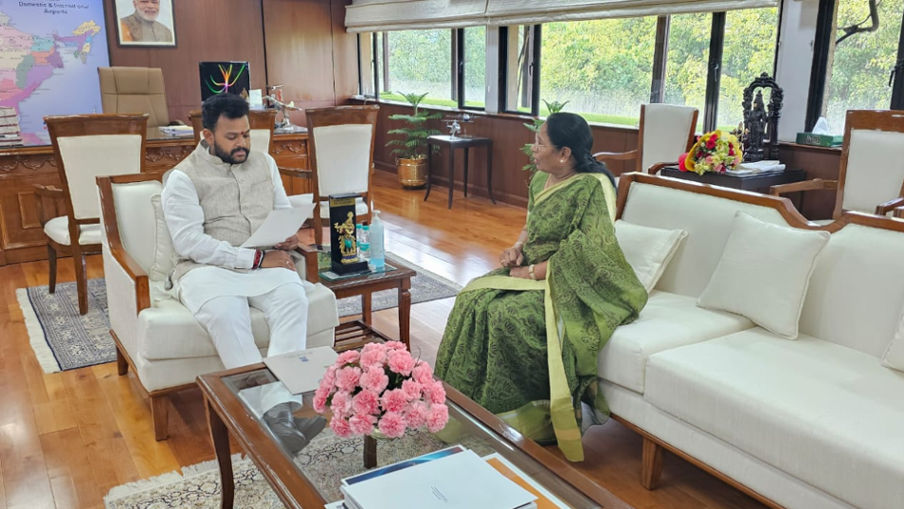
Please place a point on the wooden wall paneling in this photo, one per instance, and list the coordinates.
(345, 55)
(205, 30)
(298, 35)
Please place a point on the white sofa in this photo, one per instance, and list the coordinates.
(155, 334)
(812, 422)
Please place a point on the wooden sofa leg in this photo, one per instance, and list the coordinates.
(652, 464)
(122, 366)
(159, 414)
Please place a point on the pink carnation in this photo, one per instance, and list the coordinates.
(434, 393)
(401, 362)
(394, 400)
(341, 403)
(395, 345)
(347, 378)
(374, 379)
(320, 401)
(340, 427)
(422, 372)
(438, 417)
(329, 378)
(412, 389)
(361, 424)
(416, 414)
(393, 425)
(347, 357)
(374, 356)
(366, 402)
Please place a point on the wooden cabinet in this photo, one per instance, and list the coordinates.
(21, 236)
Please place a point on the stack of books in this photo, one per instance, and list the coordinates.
(10, 136)
(454, 477)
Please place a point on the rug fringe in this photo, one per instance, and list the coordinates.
(36, 337)
(135, 487)
(204, 466)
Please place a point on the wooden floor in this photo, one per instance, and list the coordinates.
(67, 438)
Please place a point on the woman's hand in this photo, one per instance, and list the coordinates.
(521, 272)
(512, 257)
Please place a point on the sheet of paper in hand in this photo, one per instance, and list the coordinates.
(279, 226)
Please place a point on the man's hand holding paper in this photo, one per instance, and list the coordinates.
(279, 227)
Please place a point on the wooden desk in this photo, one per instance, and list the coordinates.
(21, 235)
(759, 183)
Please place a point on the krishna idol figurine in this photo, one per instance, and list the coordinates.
(343, 244)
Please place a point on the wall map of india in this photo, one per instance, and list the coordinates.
(49, 55)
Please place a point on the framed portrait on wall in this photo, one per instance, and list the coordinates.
(145, 22)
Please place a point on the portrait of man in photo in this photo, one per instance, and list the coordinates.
(142, 26)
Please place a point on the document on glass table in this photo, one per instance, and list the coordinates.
(279, 226)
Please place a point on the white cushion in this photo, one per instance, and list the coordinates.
(647, 249)
(875, 169)
(665, 131)
(164, 253)
(894, 354)
(299, 199)
(825, 413)
(764, 273)
(135, 219)
(856, 292)
(167, 330)
(667, 321)
(58, 230)
(707, 220)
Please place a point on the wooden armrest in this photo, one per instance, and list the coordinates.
(138, 276)
(617, 156)
(655, 167)
(899, 212)
(294, 172)
(55, 208)
(805, 185)
(884, 208)
(311, 263)
(51, 192)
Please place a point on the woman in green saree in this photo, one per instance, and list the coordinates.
(522, 341)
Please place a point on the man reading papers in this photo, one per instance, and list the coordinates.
(213, 201)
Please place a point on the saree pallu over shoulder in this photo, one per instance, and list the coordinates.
(564, 319)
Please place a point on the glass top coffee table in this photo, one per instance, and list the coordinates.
(311, 478)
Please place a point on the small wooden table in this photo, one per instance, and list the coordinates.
(299, 485)
(757, 182)
(454, 142)
(366, 284)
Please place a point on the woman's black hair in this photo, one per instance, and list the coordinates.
(572, 131)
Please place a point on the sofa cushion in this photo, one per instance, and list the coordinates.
(164, 252)
(707, 220)
(827, 414)
(856, 292)
(764, 273)
(667, 321)
(894, 354)
(647, 249)
(58, 230)
(169, 331)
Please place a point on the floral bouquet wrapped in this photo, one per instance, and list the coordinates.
(715, 151)
(381, 387)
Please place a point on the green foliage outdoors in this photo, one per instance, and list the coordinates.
(413, 141)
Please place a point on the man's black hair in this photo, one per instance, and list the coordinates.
(231, 105)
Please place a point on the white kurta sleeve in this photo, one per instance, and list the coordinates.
(185, 220)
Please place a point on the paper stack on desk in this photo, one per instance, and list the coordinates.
(764, 166)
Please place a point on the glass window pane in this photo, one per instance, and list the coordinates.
(686, 61)
(518, 60)
(365, 54)
(475, 59)
(603, 68)
(859, 68)
(418, 61)
(747, 52)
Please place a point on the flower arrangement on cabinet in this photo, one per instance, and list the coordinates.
(382, 388)
(715, 151)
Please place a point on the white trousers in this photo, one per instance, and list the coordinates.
(227, 320)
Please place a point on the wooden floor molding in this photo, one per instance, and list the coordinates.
(67, 438)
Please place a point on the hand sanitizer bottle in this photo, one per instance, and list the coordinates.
(364, 241)
(377, 254)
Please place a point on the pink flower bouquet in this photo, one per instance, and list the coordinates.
(381, 387)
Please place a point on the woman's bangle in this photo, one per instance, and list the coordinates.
(530, 272)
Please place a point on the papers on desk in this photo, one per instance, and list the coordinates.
(302, 371)
(459, 479)
(764, 166)
(177, 130)
(279, 226)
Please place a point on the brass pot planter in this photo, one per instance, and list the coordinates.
(412, 172)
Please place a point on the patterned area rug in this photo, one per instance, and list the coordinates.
(325, 461)
(63, 339)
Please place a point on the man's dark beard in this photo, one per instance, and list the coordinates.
(226, 157)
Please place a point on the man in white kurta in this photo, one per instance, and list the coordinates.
(213, 201)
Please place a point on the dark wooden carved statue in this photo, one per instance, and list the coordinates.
(760, 137)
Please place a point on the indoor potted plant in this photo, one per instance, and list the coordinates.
(411, 147)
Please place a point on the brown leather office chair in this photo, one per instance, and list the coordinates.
(134, 90)
(86, 147)
(666, 130)
(262, 123)
(871, 174)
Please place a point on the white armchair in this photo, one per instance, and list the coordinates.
(666, 130)
(155, 334)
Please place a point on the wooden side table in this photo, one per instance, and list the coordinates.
(452, 143)
(757, 182)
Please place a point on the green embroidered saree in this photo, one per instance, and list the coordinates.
(527, 350)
